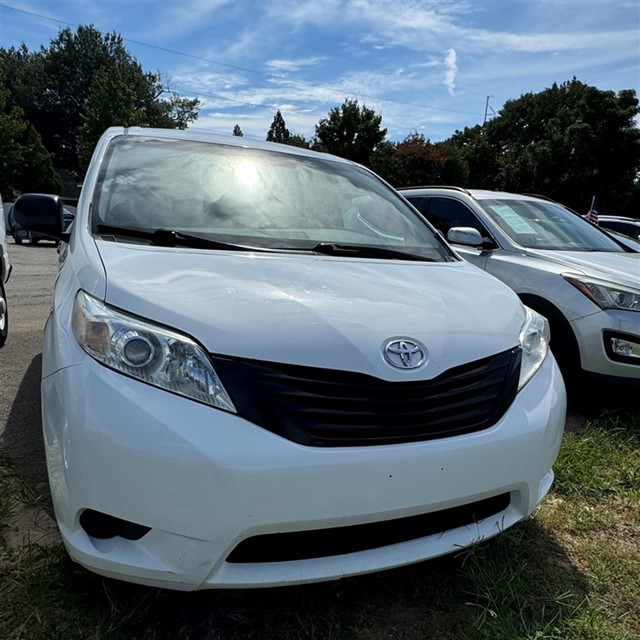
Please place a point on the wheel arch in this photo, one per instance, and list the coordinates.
(564, 344)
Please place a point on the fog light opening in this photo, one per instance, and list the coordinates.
(103, 526)
(622, 348)
(625, 348)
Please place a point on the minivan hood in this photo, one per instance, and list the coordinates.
(315, 310)
(620, 268)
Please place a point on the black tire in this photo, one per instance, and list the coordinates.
(4, 317)
(32, 240)
(17, 238)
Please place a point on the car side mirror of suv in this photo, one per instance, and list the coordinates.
(465, 235)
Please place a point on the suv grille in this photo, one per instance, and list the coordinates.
(324, 407)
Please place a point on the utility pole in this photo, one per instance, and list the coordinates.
(486, 110)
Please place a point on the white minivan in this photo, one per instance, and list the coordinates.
(263, 367)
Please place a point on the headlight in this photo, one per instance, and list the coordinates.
(150, 353)
(534, 341)
(605, 294)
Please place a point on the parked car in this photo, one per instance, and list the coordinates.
(21, 234)
(5, 272)
(585, 282)
(7, 210)
(625, 240)
(262, 367)
(628, 226)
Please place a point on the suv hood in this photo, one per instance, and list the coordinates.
(620, 268)
(315, 310)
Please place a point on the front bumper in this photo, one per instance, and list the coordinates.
(205, 480)
(593, 332)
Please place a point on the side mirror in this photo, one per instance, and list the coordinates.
(465, 235)
(40, 212)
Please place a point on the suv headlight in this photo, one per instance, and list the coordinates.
(605, 294)
(534, 341)
(153, 354)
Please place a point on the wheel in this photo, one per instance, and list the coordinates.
(17, 238)
(4, 316)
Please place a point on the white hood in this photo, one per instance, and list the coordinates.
(315, 310)
(620, 268)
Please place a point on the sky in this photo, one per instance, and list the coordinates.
(430, 67)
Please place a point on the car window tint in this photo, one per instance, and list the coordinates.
(444, 213)
(623, 227)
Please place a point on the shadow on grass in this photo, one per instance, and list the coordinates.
(517, 585)
(597, 399)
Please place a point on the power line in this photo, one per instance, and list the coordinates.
(248, 70)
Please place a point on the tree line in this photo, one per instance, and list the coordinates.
(569, 142)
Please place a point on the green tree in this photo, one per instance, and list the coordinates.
(278, 131)
(479, 157)
(386, 164)
(417, 161)
(298, 140)
(60, 87)
(25, 165)
(111, 101)
(237, 131)
(568, 142)
(350, 131)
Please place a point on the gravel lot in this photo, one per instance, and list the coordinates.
(29, 294)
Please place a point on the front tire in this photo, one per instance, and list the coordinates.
(17, 238)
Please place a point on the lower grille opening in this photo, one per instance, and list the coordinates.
(103, 526)
(322, 543)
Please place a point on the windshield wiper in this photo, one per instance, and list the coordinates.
(172, 238)
(365, 251)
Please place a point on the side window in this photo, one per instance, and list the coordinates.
(444, 213)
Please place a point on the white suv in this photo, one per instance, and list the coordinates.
(583, 281)
(262, 367)
(5, 272)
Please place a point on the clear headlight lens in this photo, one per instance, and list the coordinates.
(605, 294)
(148, 352)
(534, 341)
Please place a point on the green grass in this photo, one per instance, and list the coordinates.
(570, 572)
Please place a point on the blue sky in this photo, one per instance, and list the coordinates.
(425, 66)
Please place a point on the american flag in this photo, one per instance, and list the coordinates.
(592, 215)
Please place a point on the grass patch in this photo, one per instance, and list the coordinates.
(602, 459)
(570, 572)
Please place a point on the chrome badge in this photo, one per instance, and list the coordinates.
(403, 353)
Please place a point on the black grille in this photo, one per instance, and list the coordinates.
(321, 543)
(324, 407)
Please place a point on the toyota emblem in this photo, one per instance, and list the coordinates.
(403, 353)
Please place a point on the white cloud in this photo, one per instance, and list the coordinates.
(281, 65)
(451, 68)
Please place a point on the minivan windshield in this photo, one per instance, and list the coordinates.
(252, 197)
(536, 224)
